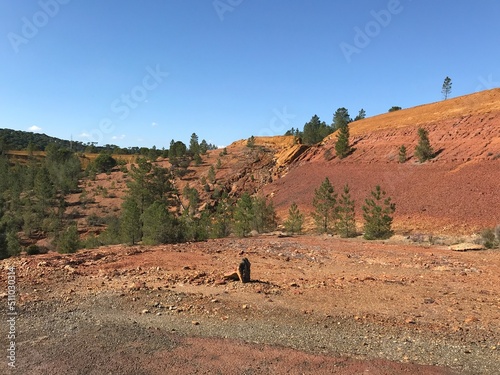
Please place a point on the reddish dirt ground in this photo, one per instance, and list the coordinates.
(316, 305)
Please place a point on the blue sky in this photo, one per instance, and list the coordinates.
(140, 73)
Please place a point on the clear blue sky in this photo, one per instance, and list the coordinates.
(140, 73)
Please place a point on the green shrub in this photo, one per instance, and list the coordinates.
(33, 250)
(94, 221)
(92, 242)
(489, 238)
(69, 240)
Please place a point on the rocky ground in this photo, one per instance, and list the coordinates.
(315, 305)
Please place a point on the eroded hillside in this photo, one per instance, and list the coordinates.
(454, 193)
(457, 191)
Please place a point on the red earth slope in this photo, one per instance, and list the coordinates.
(455, 193)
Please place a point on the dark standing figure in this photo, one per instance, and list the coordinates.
(244, 270)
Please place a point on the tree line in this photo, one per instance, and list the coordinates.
(32, 196)
(17, 140)
(336, 215)
(315, 130)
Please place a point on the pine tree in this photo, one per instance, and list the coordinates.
(346, 224)
(377, 213)
(69, 240)
(13, 245)
(203, 147)
(446, 88)
(264, 215)
(325, 205)
(402, 154)
(158, 225)
(223, 217)
(130, 223)
(197, 160)
(251, 142)
(44, 190)
(295, 220)
(423, 151)
(243, 215)
(361, 115)
(342, 147)
(193, 198)
(315, 130)
(211, 175)
(341, 118)
(194, 146)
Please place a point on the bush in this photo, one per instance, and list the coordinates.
(92, 242)
(69, 240)
(13, 245)
(490, 238)
(104, 163)
(111, 236)
(253, 214)
(94, 221)
(159, 226)
(33, 250)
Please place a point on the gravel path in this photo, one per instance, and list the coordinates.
(101, 334)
